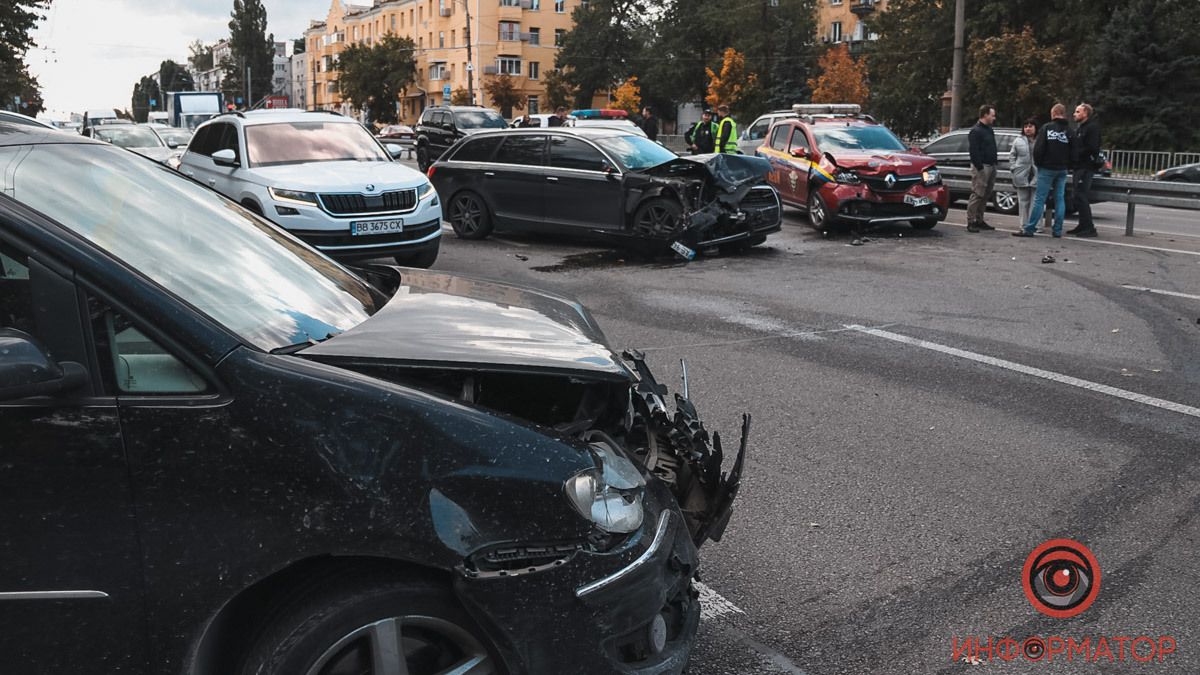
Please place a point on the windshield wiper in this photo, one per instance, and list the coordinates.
(292, 349)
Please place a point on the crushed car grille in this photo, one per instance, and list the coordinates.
(385, 202)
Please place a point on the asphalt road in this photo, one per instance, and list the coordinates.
(928, 408)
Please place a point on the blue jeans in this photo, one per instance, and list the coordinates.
(1047, 178)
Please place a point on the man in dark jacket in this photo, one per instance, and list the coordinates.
(1087, 160)
(702, 138)
(982, 144)
(558, 119)
(1052, 152)
(649, 124)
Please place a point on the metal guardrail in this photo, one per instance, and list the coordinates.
(1145, 163)
(1166, 194)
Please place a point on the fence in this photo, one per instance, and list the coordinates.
(1144, 164)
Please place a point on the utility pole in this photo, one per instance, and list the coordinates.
(248, 99)
(470, 61)
(956, 82)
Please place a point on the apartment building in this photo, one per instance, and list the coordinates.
(515, 37)
(847, 21)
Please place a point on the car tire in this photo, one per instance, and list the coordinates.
(413, 626)
(1005, 202)
(469, 216)
(423, 158)
(818, 213)
(657, 217)
(924, 223)
(423, 259)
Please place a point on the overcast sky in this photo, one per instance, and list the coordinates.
(91, 52)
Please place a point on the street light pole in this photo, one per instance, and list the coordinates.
(470, 61)
(956, 82)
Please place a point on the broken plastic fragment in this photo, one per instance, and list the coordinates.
(1047, 260)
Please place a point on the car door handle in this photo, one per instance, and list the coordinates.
(552, 179)
(190, 174)
(489, 174)
(212, 182)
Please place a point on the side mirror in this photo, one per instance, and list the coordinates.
(172, 143)
(394, 149)
(27, 370)
(225, 157)
(609, 170)
(801, 153)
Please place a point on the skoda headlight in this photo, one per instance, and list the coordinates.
(931, 177)
(846, 177)
(609, 495)
(281, 195)
(425, 191)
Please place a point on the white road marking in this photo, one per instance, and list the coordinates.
(713, 605)
(1096, 240)
(1155, 290)
(1035, 372)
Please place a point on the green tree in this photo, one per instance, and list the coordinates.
(502, 89)
(907, 83)
(201, 56)
(559, 92)
(460, 96)
(1146, 83)
(372, 77)
(143, 92)
(249, 47)
(595, 53)
(173, 77)
(298, 46)
(792, 32)
(1016, 74)
(17, 20)
(732, 84)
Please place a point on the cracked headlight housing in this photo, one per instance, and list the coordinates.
(846, 177)
(931, 177)
(610, 495)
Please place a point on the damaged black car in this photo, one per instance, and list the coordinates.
(225, 453)
(605, 184)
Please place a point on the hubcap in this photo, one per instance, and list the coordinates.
(467, 213)
(816, 212)
(657, 220)
(1006, 200)
(409, 645)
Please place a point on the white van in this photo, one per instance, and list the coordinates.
(93, 118)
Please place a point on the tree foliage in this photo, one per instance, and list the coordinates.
(1016, 74)
(17, 20)
(628, 96)
(1146, 83)
(595, 54)
(372, 77)
(250, 46)
(143, 92)
(906, 82)
(733, 83)
(460, 96)
(559, 92)
(842, 79)
(174, 77)
(502, 89)
(200, 56)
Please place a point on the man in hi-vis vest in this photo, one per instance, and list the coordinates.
(726, 131)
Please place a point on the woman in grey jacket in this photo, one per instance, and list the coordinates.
(1020, 165)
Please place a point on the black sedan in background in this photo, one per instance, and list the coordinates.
(608, 184)
(225, 454)
(1188, 173)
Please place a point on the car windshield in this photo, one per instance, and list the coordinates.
(635, 152)
(831, 137)
(128, 136)
(178, 136)
(248, 275)
(479, 119)
(304, 142)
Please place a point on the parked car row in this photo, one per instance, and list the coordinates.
(254, 460)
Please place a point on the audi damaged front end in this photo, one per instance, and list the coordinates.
(590, 566)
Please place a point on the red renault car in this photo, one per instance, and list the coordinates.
(844, 167)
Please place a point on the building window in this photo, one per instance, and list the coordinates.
(438, 71)
(509, 65)
(453, 38)
(532, 105)
(393, 23)
(835, 3)
(510, 31)
(835, 31)
(534, 70)
(558, 36)
(535, 36)
(535, 4)
(560, 6)
(441, 38)
(510, 3)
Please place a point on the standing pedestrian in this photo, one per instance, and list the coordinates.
(523, 122)
(1020, 164)
(559, 118)
(1051, 155)
(649, 123)
(702, 137)
(982, 145)
(726, 131)
(1087, 161)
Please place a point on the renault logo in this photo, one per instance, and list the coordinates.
(890, 180)
(370, 188)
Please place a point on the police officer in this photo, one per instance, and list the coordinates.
(702, 137)
(726, 131)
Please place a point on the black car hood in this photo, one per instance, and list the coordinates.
(727, 172)
(444, 320)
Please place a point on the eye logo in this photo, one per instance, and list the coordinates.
(1061, 578)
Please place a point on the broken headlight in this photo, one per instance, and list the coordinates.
(931, 177)
(846, 177)
(609, 495)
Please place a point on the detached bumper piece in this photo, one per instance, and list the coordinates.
(678, 449)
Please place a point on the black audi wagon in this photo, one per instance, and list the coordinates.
(225, 453)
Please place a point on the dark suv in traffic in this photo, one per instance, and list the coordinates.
(441, 126)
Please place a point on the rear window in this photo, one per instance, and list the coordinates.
(953, 143)
(572, 153)
(477, 150)
(526, 150)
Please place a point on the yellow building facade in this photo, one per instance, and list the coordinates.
(847, 20)
(516, 37)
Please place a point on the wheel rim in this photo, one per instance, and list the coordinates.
(816, 212)
(409, 645)
(657, 219)
(467, 214)
(1006, 201)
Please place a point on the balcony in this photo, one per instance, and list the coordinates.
(862, 7)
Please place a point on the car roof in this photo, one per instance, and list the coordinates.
(12, 133)
(582, 132)
(281, 116)
(18, 118)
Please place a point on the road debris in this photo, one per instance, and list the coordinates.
(1048, 260)
(519, 256)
